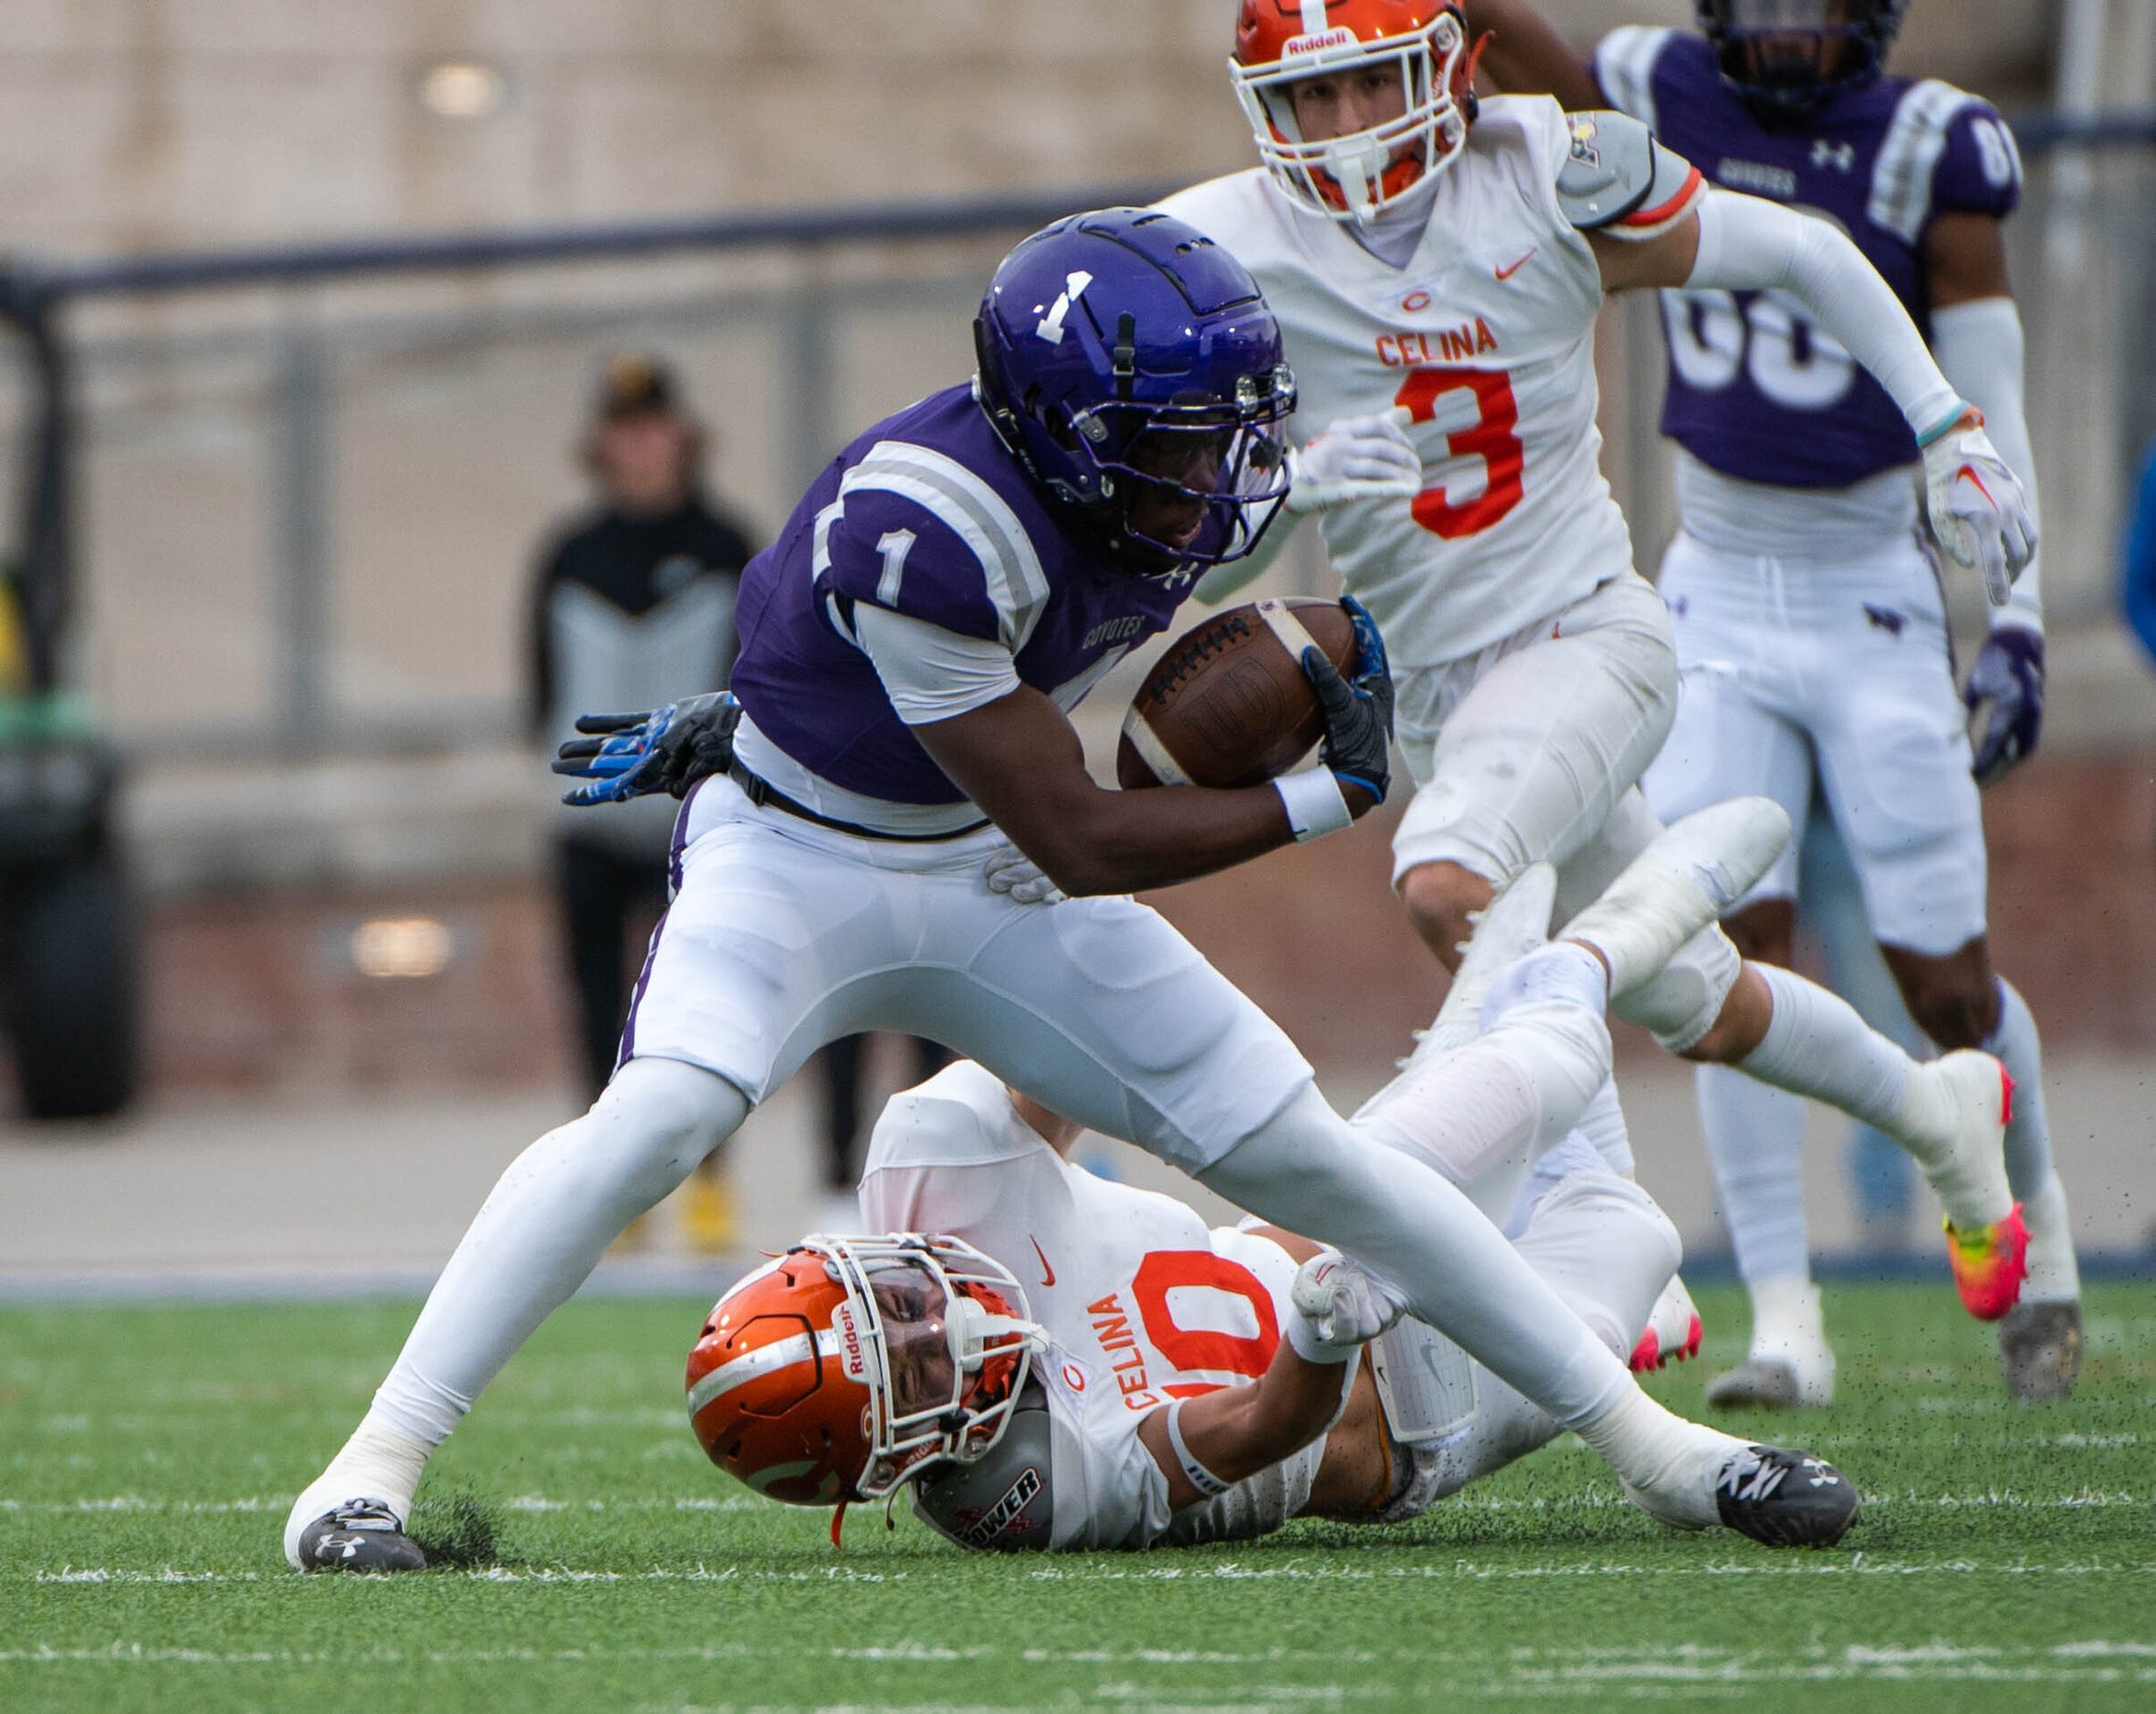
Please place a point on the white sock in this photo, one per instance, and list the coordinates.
(1817, 1047)
(1787, 1327)
(1564, 972)
(1481, 1114)
(535, 1238)
(2055, 1276)
(1309, 1170)
(377, 1463)
(1572, 1154)
(2015, 1044)
(1603, 1125)
(1756, 1142)
(1608, 1250)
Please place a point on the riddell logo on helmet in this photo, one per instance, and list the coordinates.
(856, 1358)
(1337, 37)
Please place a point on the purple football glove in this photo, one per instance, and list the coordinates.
(2004, 698)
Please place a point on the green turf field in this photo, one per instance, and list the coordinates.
(2006, 1558)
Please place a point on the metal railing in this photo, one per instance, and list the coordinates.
(290, 496)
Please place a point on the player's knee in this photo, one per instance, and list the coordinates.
(1440, 898)
(1682, 1005)
(666, 1111)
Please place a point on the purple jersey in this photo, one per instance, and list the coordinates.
(1756, 390)
(927, 515)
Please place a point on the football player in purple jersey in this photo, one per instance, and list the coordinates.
(1809, 624)
(885, 836)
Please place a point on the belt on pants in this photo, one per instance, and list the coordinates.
(766, 796)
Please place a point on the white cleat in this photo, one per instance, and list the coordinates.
(1694, 872)
(1511, 927)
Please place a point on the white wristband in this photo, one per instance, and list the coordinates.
(1314, 1347)
(1314, 802)
(1195, 1473)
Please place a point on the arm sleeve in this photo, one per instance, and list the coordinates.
(928, 673)
(1979, 347)
(1750, 245)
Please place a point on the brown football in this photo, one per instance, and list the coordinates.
(1229, 704)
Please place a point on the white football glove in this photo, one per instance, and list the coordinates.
(1339, 1309)
(1354, 459)
(1980, 516)
(1009, 870)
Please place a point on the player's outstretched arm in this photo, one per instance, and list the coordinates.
(1740, 242)
(1204, 1445)
(1525, 54)
(1976, 336)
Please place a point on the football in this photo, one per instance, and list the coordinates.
(1228, 703)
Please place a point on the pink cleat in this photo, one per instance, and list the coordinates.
(1989, 1264)
(1673, 1330)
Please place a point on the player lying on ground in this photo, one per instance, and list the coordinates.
(1174, 1385)
(1447, 257)
(958, 577)
(1811, 630)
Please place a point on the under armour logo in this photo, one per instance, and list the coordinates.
(1886, 619)
(1841, 156)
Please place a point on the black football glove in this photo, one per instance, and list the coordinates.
(667, 749)
(1357, 745)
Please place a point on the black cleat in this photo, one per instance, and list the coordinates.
(1784, 1498)
(361, 1535)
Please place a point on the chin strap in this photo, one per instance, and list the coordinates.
(1354, 162)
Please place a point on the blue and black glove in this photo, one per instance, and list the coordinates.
(2006, 692)
(1357, 745)
(667, 749)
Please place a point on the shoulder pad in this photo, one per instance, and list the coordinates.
(1001, 1504)
(1616, 178)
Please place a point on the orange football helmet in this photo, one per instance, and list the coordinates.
(848, 1365)
(1279, 43)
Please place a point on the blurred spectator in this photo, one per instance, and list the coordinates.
(2139, 575)
(840, 1066)
(633, 606)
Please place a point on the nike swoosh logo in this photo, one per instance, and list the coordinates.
(1047, 1274)
(1506, 273)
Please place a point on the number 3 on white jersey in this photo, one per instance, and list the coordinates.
(1493, 437)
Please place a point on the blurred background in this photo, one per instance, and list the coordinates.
(313, 319)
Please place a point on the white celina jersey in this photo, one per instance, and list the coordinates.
(1488, 336)
(1142, 1303)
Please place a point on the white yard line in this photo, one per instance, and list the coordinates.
(2084, 1500)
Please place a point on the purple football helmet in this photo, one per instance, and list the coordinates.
(1787, 57)
(1131, 366)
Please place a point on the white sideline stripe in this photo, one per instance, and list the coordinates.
(1561, 1672)
(1233, 1571)
(2086, 1500)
